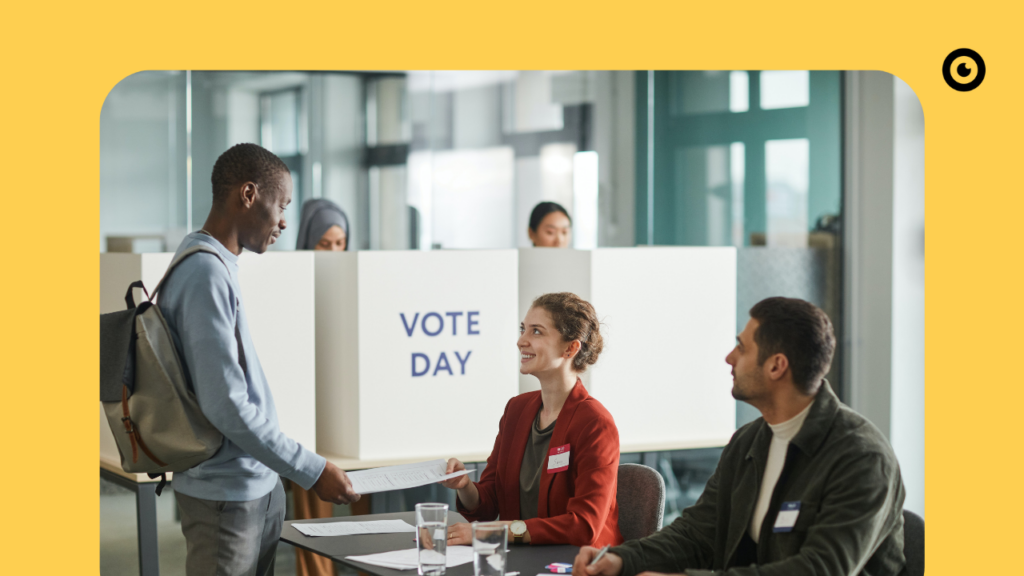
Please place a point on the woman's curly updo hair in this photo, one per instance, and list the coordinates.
(575, 319)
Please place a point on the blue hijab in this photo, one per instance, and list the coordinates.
(318, 216)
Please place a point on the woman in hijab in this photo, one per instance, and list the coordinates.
(324, 226)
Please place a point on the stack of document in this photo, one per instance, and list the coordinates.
(401, 477)
(408, 560)
(350, 528)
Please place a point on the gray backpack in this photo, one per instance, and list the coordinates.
(146, 393)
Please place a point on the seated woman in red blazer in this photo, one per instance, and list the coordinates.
(553, 470)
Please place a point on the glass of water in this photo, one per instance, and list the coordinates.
(490, 548)
(432, 538)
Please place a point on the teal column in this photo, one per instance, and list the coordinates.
(640, 143)
(754, 191)
(664, 165)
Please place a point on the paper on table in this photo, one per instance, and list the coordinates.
(350, 528)
(401, 477)
(408, 560)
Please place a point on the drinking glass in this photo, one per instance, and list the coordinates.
(432, 538)
(490, 548)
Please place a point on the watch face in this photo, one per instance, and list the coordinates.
(518, 528)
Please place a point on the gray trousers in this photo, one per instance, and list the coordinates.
(231, 538)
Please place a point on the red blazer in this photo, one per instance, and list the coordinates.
(576, 506)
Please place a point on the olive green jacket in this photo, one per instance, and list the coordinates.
(839, 467)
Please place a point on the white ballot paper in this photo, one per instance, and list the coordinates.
(350, 528)
(407, 559)
(401, 477)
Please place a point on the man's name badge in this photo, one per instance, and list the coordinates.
(786, 519)
(558, 459)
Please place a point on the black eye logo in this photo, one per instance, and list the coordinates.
(963, 70)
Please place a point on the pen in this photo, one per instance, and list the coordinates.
(599, 555)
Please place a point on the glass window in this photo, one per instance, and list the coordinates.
(534, 109)
(699, 92)
(739, 91)
(485, 145)
(143, 163)
(786, 163)
(708, 92)
(728, 178)
(584, 200)
(737, 173)
(706, 192)
(473, 197)
(785, 89)
(279, 122)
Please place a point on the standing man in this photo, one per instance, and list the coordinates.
(232, 505)
(811, 488)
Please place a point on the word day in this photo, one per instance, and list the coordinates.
(433, 324)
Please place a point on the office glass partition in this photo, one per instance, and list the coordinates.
(728, 152)
(266, 108)
(143, 163)
(479, 149)
(418, 160)
(161, 132)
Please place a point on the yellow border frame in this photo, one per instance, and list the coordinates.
(62, 58)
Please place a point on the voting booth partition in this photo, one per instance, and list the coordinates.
(277, 294)
(392, 355)
(668, 317)
(415, 351)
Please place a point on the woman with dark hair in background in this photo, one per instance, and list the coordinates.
(550, 226)
(553, 471)
(324, 226)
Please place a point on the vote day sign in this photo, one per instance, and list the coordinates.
(415, 351)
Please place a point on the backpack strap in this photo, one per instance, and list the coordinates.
(188, 252)
(133, 432)
(129, 297)
(163, 481)
(181, 257)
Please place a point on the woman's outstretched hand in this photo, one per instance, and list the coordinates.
(458, 482)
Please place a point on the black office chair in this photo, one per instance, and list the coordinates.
(913, 543)
(641, 498)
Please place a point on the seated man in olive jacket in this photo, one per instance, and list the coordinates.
(810, 488)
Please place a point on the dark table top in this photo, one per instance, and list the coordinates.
(526, 559)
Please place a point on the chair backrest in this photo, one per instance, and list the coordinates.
(913, 543)
(641, 497)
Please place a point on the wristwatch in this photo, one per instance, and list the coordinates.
(518, 529)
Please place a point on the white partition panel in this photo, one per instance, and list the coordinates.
(337, 353)
(278, 295)
(668, 319)
(416, 351)
(277, 292)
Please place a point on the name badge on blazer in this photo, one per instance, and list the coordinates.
(558, 459)
(786, 519)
